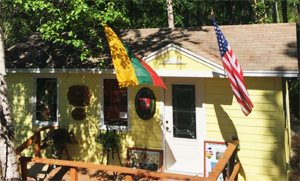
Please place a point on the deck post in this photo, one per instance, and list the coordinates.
(74, 173)
(23, 165)
(129, 177)
(37, 141)
(231, 163)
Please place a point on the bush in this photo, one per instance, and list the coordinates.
(295, 165)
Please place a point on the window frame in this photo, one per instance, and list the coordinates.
(34, 101)
(102, 125)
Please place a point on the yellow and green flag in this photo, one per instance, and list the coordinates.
(130, 69)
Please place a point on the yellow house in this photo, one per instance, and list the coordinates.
(195, 112)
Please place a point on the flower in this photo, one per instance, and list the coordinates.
(59, 138)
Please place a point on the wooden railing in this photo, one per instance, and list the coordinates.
(227, 164)
(36, 139)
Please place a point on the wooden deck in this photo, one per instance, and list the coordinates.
(228, 165)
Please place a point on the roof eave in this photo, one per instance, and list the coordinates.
(160, 73)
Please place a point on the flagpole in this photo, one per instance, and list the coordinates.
(212, 13)
(213, 16)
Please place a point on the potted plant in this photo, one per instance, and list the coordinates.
(110, 141)
(58, 139)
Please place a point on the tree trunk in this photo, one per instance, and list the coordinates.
(266, 14)
(170, 14)
(275, 13)
(284, 11)
(8, 159)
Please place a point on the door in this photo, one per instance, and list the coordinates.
(184, 126)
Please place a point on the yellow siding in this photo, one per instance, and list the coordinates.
(85, 130)
(20, 91)
(143, 133)
(260, 134)
(186, 62)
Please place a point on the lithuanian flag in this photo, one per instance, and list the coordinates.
(130, 69)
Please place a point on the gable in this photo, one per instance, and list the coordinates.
(175, 58)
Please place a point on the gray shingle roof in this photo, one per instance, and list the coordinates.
(257, 47)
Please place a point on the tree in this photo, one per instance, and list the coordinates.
(60, 21)
(284, 11)
(170, 14)
(8, 159)
(73, 22)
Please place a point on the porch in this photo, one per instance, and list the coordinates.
(228, 165)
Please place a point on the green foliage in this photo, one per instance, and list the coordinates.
(77, 22)
(59, 138)
(295, 161)
(63, 21)
(261, 10)
(293, 15)
(108, 139)
(293, 85)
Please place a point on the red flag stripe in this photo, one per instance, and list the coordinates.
(236, 92)
(239, 78)
(241, 99)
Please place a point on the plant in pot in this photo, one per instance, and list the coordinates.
(58, 139)
(110, 141)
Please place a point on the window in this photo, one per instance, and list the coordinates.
(46, 101)
(184, 111)
(114, 105)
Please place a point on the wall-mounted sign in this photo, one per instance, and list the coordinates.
(145, 103)
(213, 152)
(79, 95)
(78, 114)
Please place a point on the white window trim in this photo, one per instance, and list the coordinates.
(33, 98)
(102, 126)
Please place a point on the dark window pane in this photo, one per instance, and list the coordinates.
(183, 101)
(115, 103)
(46, 99)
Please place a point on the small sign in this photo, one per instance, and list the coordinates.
(143, 158)
(213, 152)
(123, 115)
(145, 103)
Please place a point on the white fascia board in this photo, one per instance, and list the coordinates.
(187, 73)
(261, 73)
(70, 71)
(185, 52)
(221, 74)
(162, 73)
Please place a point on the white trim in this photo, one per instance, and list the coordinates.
(195, 73)
(261, 73)
(188, 73)
(185, 52)
(162, 73)
(33, 103)
(59, 70)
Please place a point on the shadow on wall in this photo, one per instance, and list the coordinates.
(227, 128)
(19, 91)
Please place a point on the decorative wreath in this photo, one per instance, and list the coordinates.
(145, 103)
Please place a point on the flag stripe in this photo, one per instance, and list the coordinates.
(155, 78)
(122, 63)
(130, 69)
(143, 76)
(234, 72)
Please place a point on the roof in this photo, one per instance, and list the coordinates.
(258, 47)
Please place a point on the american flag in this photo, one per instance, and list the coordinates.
(234, 72)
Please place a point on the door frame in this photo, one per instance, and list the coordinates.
(200, 112)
